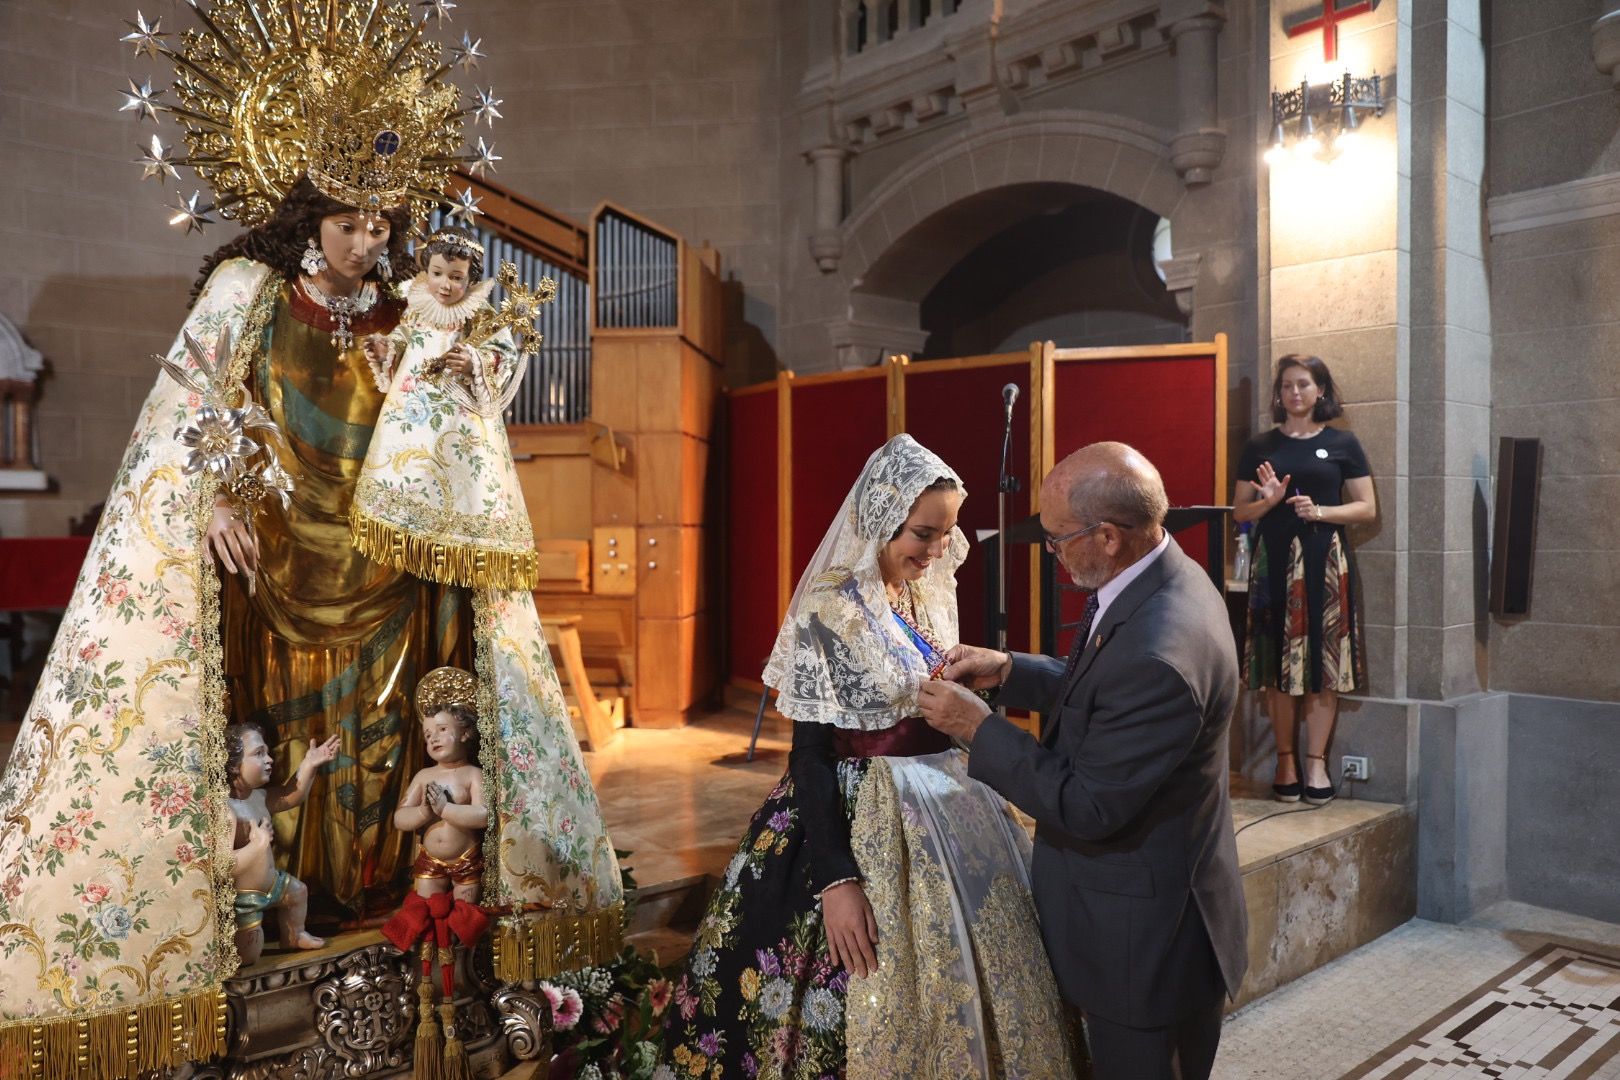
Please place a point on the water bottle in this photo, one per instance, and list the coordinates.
(1240, 560)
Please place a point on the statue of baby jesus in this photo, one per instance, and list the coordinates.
(445, 801)
(260, 886)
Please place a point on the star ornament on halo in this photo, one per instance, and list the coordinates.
(188, 214)
(488, 107)
(468, 53)
(464, 206)
(483, 157)
(157, 160)
(438, 10)
(146, 37)
(142, 100)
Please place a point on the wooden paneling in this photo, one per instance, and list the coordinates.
(674, 480)
(614, 374)
(613, 570)
(557, 493)
(700, 392)
(613, 492)
(672, 573)
(658, 383)
(680, 652)
(702, 312)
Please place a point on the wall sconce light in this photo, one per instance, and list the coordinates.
(1316, 120)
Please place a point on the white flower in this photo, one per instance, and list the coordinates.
(704, 962)
(734, 869)
(663, 1072)
(822, 1009)
(590, 1072)
(775, 997)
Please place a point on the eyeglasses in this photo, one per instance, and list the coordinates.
(1052, 542)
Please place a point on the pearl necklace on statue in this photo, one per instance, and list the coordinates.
(343, 309)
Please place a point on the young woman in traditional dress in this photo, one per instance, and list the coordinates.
(1304, 482)
(876, 919)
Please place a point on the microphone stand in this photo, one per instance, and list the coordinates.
(1005, 486)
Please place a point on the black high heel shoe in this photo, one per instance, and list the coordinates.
(1319, 796)
(1286, 792)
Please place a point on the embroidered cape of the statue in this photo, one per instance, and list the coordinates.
(116, 894)
(439, 497)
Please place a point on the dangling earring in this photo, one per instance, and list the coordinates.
(385, 269)
(314, 260)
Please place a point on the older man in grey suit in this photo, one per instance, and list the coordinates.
(1136, 873)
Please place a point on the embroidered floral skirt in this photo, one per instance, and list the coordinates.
(963, 986)
(1304, 618)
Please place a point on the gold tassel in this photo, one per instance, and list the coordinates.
(117, 1044)
(429, 1054)
(469, 565)
(456, 1065)
(541, 944)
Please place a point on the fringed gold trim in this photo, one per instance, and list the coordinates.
(542, 944)
(467, 565)
(119, 1044)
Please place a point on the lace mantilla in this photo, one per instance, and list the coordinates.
(840, 657)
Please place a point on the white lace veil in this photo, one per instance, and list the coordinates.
(840, 657)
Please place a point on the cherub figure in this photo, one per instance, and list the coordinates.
(260, 886)
(445, 801)
(439, 303)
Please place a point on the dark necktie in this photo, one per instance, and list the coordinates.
(1082, 634)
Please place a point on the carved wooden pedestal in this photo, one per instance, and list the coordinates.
(349, 1011)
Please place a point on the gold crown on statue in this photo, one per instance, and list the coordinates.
(443, 687)
(455, 241)
(370, 134)
(350, 92)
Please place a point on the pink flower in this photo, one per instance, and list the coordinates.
(90, 651)
(12, 887)
(95, 893)
(567, 825)
(84, 818)
(553, 996)
(407, 384)
(612, 1016)
(185, 854)
(193, 399)
(171, 800)
(65, 840)
(658, 992)
(685, 999)
(522, 758)
(117, 593)
(169, 626)
(564, 1017)
(104, 579)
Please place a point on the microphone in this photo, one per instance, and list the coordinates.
(1009, 394)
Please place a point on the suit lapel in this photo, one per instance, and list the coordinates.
(1124, 606)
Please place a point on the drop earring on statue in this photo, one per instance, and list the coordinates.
(314, 260)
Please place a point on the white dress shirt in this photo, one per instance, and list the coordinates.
(1108, 592)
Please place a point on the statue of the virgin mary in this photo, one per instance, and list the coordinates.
(324, 126)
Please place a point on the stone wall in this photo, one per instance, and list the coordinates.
(93, 274)
(1555, 298)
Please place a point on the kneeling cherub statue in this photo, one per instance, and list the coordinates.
(444, 803)
(260, 885)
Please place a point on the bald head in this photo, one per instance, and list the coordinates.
(1108, 481)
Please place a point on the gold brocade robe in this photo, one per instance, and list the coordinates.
(332, 642)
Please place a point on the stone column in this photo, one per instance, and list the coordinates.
(1200, 143)
(1450, 386)
(826, 242)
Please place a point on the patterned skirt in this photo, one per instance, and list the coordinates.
(1282, 649)
(963, 986)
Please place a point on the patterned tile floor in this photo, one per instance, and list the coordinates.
(1339, 1020)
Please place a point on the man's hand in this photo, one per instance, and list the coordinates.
(975, 667)
(851, 928)
(952, 708)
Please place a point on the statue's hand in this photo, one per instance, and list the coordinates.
(259, 836)
(436, 796)
(231, 541)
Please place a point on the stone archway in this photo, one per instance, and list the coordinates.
(915, 224)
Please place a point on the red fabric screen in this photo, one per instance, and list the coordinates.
(38, 572)
(957, 413)
(751, 533)
(1165, 407)
(837, 423)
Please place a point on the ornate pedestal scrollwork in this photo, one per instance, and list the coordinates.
(353, 1017)
(523, 1019)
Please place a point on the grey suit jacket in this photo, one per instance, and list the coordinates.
(1128, 789)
